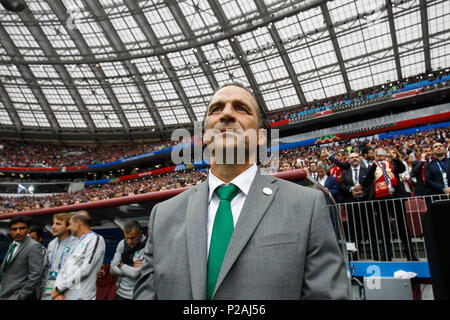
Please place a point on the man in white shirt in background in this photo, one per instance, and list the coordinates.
(128, 259)
(78, 276)
(58, 251)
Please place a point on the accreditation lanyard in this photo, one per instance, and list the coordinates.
(81, 239)
(444, 174)
(62, 255)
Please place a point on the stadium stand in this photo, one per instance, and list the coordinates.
(298, 158)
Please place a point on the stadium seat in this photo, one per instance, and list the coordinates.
(414, 210)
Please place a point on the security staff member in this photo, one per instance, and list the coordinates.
(78, 276)
(58, 251)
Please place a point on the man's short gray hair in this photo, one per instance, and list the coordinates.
(130, 225)
(83, 217)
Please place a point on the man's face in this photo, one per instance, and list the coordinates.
(59, 227)
(313, 167)
(132, 238)
(353, 159)
(74, 227)
(438, 149)
(19, 231)
(380, 157)
(34, 236)
(428, 152)
(370, 155)
(231, 112)
(285, 166)
(321, 172)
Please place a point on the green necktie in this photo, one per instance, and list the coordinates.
(13, 246)
(221, 235)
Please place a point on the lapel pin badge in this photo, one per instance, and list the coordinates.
(267, 191)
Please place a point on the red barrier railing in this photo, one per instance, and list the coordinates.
(292, 175)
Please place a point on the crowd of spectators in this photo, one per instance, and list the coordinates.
(116, 189)
(40, 155)
(307, 158)
(354, 96)
(408, 145)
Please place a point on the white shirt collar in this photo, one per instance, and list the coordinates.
(242, 181)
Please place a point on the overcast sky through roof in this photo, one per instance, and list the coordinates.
(131, 64)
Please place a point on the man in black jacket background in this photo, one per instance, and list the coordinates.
(360, 219)
(418, 170)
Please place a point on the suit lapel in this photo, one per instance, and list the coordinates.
(21, 247)
(196, 219)
(362, 174)
(254, 208)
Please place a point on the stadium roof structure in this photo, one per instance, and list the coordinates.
(127, 68)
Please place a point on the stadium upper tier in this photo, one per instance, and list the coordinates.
(347, 101)
(39, 155)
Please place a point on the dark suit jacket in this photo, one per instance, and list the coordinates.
(23, 275)
(332, 185)
(419, 188)
(363, 164)
(398, 167)
(433, 176)
(343, 165)
(347, 183)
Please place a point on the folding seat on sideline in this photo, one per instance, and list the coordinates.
(415, 208)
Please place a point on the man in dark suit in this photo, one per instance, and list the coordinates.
(23, 266)
(383, 183)
(330, 183)
(360, 219)
(339, 164)
(418, 171)
(368, 156)
(437, 172)
(313, 170)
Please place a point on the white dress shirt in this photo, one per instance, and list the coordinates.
(323, 180)
(357, 174)
(243, 182)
